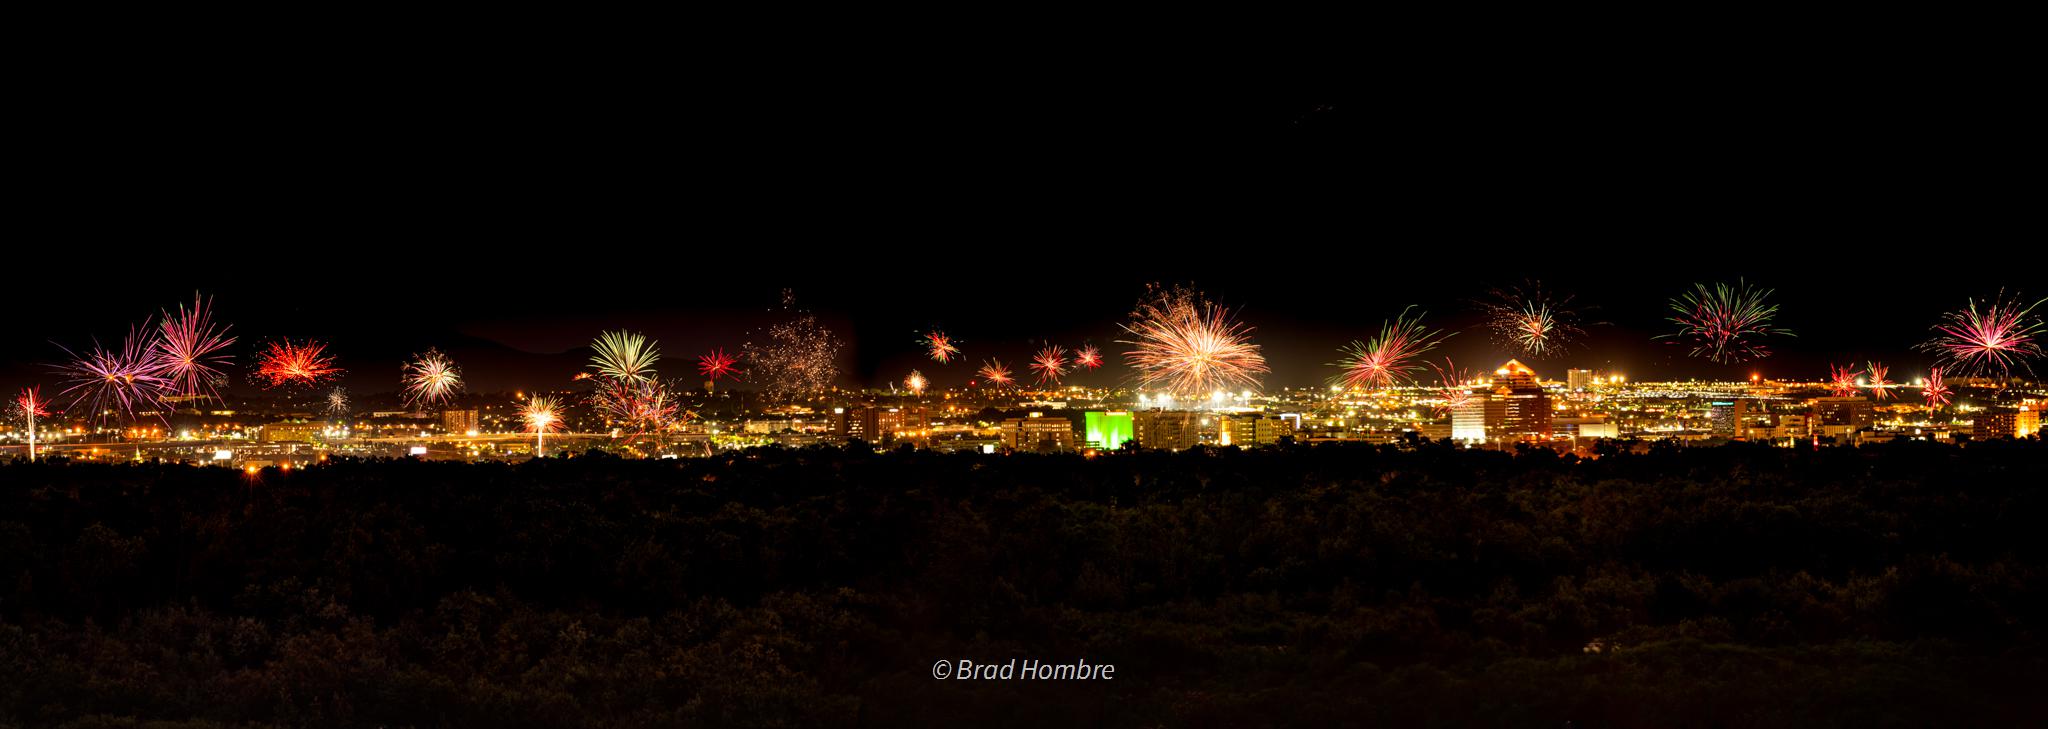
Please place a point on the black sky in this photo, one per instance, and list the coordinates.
(513, 211)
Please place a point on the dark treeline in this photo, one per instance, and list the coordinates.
(1899, 585)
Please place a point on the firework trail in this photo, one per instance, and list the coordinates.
(542, 415)
(1188, 346)
(624, 355)
(1391, 357)
(430, 379)
(716, 364)
(1457, 393)
(1531, 321)
(32, 406)
(915, 383)
(1088, 356)
(1725, 323)
(1880, 387)
(1844, 381)
(110, 381)
(1997, 338)
(799, 358)
(1936, 392)
(1050, 364)
(940, 347)
(187, 350)
(337, 401)
(289, 364)
(998, 376)
(644, 405)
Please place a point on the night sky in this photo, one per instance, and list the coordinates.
(509, 215)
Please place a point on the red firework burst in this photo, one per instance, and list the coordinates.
(717, 363)
(1457, 393)
(1880, 387)
(1726, 323)
(1050, 364)
(290, 364)
(1842, 381)
(1392, 356)
(1088, 356)
(2000, 337)
(940, 347)
(1935, 391)
(997, 375)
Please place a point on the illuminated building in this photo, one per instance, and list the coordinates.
(1169, 430)
(1729, 418)
(1519, 407)
(2019, 423)
(290, 432)
(458, 421)
(891, 425)
(1108, 430)
(1468, 420)
(1853, 413)
(1038, 433)
(1250, 430)
(1578, 380)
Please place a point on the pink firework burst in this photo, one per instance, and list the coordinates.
(940, 347)
(717, 363)
(1050, 364)
(1935, 391)
(1996, 339)
(997, 375)
(122, 381)
(289, 364)
(1391, 357)
(187, 350)
(1457, 393)
(1843, 380)
(1088, 356)
(1880, 387)
(1726, 323)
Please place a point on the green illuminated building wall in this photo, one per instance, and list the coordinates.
(1109, 430)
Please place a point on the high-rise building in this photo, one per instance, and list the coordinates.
(1854, 413)
(1468, 420)
(1519, 408)
(1108, 430)
(458, 421)
(1578, 380)
(2017, 423)
(1729, 418)
(1038, 433)
(1249, 430)
(1169, 430)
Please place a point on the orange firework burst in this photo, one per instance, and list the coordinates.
(1188, 346)
(287, 364)
(915, 383)
(998, 376)
(1050, 364)
(1088, 356)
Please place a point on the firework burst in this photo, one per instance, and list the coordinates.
(716, 364)
(110, 381)
(624, 355)
(1532, 321)
(1880, 386)
(940, 347)
(799, 357)
(1845, 380)
(1996, 339)
(1188, 346)
(1935, 391)
(187, 350)
(430, 379)
(1726, 323)
(915, 383)
(1391, 357)
(31, 405)
(1088, 356)
(643, 405)
(292, 364)
(542, 416)
(997, 375)
(1050, 364)
(1456, 386)
(337, 401)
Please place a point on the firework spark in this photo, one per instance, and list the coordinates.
(1997, 338)
(716, 364)
(940, 347)
(1391, 357)
(31, 405)
(110, 381)
(542, 415)
(1936, 392)
(1456, 386)
(430, 379)
(1726, 323)
(1531, 320)
(1189, 346)
(1050, 364)
(337, 401)
(1880, 386)
(187, 350)
(624, 355)
(997, 375)
(644, 405)
(1088, 356)
(290, 364)
(1843, 381)
(915, 383)
(799, 358)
